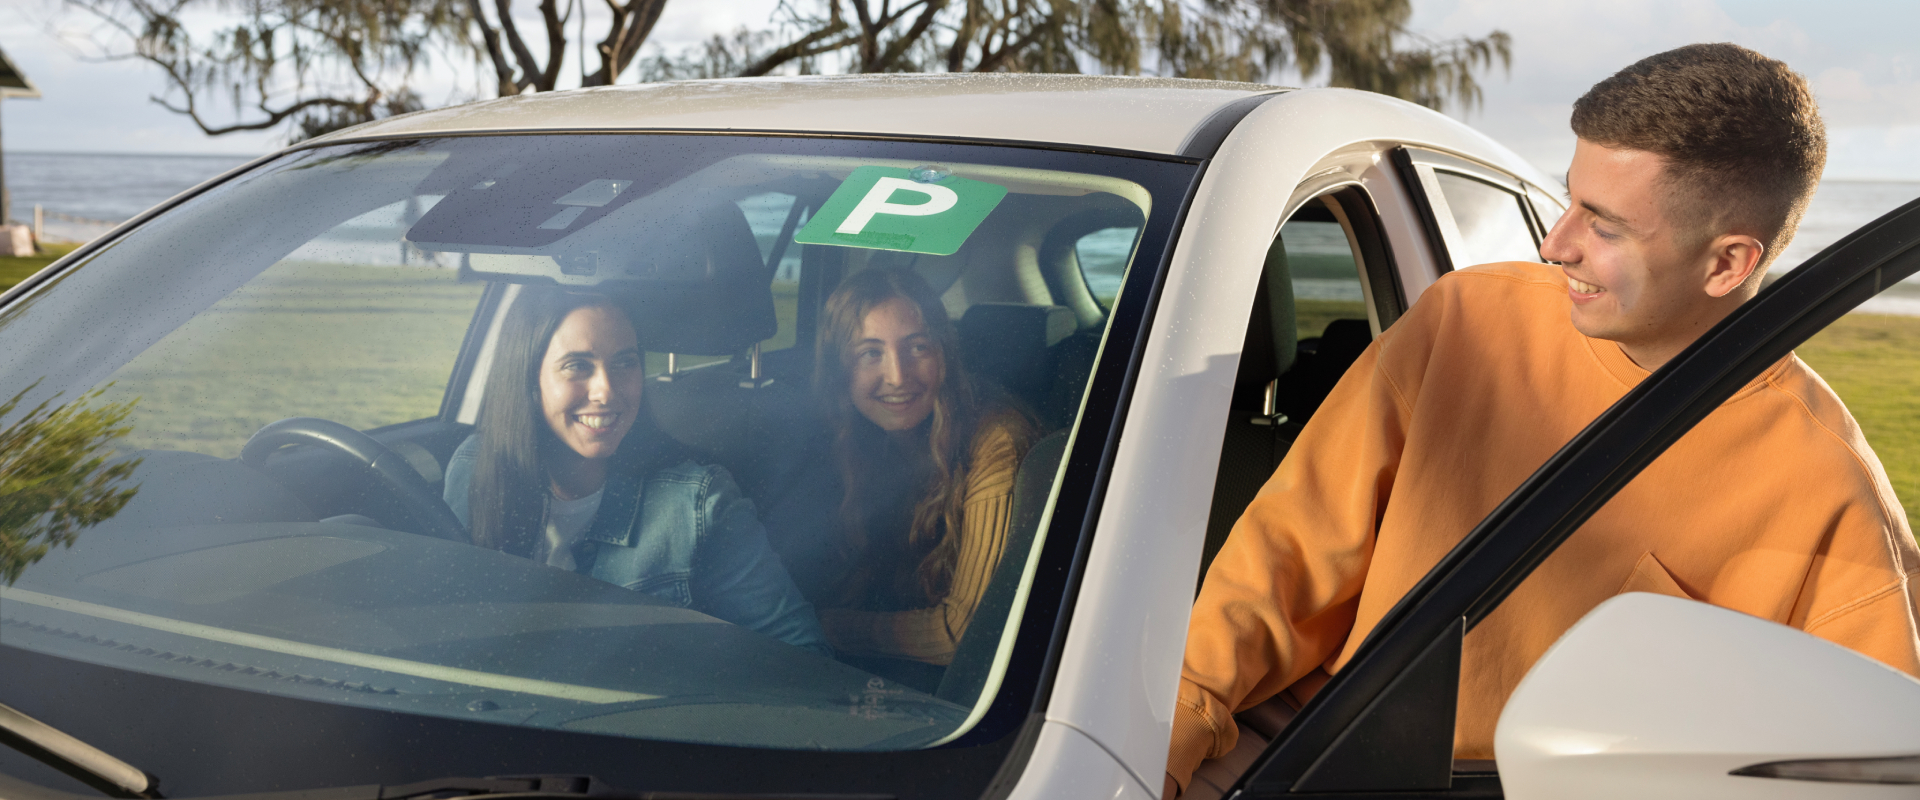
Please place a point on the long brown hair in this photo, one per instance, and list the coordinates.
(508, 495)
(960, 408)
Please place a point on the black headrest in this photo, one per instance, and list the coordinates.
(1007, 342)
(1277, 290)
(1344, 340)
(727, 308)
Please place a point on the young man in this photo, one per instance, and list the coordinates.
(1691, 170)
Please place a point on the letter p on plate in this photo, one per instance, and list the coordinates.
(874, 208)
(879, 200)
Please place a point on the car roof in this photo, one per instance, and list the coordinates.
(1152, 115)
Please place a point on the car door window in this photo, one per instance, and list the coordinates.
(1546, 209)
(1491, 222)
(1326, 275)
(1310, 321)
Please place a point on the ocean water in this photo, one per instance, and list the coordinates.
(110, 187)
(1840, 208)
(107, 187)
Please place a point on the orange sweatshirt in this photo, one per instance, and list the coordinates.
(1773, 506)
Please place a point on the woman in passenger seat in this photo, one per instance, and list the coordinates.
(927, 456)
(565, 470)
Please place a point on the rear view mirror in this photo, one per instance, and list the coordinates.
(1657, 697)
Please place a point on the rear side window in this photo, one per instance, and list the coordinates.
(1103, 258)
(1545, 209)
(1492, 224)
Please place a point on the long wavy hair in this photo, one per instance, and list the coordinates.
(960, 408)
(510, 483)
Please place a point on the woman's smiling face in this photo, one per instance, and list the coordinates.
(897, 368)
(591, 379)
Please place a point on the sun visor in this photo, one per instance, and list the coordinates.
(642, 246)
(592, 268)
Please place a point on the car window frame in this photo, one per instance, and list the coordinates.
(1418, 168)
(1404, 676)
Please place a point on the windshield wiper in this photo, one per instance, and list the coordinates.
(86, 763)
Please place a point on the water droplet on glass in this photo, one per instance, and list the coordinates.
(929, 173)
(482, 705)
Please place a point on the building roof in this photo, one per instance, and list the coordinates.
(13, 82)
(1155, 115)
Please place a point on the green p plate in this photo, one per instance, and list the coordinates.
(884, 208)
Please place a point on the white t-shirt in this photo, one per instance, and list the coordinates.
(565, 525)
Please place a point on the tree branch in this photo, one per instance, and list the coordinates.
(502, 70)
(529, 67)
(273, 117)
(805, 46)
(899, 45)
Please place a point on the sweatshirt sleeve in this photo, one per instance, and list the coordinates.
(933, 634)
(1859, 591)
(1280, 598)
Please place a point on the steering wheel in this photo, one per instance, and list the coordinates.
(387, 468)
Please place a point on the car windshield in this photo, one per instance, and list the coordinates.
(730, 440)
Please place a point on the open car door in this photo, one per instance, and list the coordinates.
(1384, 725)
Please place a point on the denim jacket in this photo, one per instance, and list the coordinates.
(685, 534)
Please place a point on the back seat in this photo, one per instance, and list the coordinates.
(1031, 352)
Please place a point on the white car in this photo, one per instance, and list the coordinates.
(1165, 277)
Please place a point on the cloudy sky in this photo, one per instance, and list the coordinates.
(1859, 55)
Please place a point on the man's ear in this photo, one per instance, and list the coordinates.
(1731, 258)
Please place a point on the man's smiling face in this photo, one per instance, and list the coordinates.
(1635, 275)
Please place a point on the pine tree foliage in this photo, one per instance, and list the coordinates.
(313, 65)
(57, 476)
(1361, 44)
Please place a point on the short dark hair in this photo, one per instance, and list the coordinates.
(1739, 132)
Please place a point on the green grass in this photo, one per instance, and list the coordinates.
(1873, 362)
(362, 345)
(1310, 317)
(14, 269)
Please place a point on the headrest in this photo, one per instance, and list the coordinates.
(1048, 324)
(1277, 287)
(727, 309)
(1007, 342)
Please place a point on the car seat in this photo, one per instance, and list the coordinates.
(725, 412)
(1321, 363)
(1017, 346)
(1257, 435)
(973, 660)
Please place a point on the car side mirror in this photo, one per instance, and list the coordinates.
(1656, 697)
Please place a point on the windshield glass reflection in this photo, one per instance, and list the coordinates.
(715, 439)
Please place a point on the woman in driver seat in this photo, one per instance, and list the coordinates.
(564, 470)
(927, 457)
